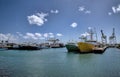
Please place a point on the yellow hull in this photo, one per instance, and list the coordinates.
(85, 47)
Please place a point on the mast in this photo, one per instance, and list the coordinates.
(91, 32)
(96, 34)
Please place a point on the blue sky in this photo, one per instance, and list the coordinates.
(63, 19)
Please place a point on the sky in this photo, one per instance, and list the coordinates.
(36, 20)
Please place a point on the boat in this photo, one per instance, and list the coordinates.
(44, 45)
(99, 50)
(91, 45)
(85, 47)
(28, 47)
(55, 43)
(3, 48)
(72, 47)
(12, 46)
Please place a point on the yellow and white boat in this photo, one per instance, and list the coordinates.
(91, 45)
(86, 47)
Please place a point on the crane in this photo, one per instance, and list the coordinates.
(112, 38)
(103, 38)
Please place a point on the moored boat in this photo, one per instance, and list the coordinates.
(99, 49)
(28, 47)
(55, 43)
(85, 47)
(72, 47)
(44, 45)
(2, 48)
(88, 46)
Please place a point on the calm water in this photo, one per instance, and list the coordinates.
(59, 63)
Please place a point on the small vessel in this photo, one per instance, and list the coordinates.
(28, 47)
(72, 47)
(12, 46)
(55, 43)
(44, 45)
(3, 48)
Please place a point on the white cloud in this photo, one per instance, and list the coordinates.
(109, 13)
(8, 37)
(19, 34)
(37, 19)
(116, 9)
(38, 34)
(42, 16)
(45, 35)
(81, 8)
(54, 11)
(85, 34)
(84, 10)
(89, 28)
(74, 25)
(59, 34)
(27, 36)
(87, 12)
(31, 36)
(51, 35)
(48, 35)
(3, 37)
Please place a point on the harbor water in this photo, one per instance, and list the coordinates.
(59, 63)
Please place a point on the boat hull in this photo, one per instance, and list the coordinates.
(2, 49)
(72, 48)
(99, 50)
(28, 48)
(85, 47)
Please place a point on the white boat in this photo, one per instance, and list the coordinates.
(3, 48)
(55, 43)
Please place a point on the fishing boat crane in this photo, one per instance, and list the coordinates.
(103, 38)
(91, 33)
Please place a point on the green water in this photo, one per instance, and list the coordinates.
(59, 63)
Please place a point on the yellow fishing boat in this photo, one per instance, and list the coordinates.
(86, 47)
(91, 44)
